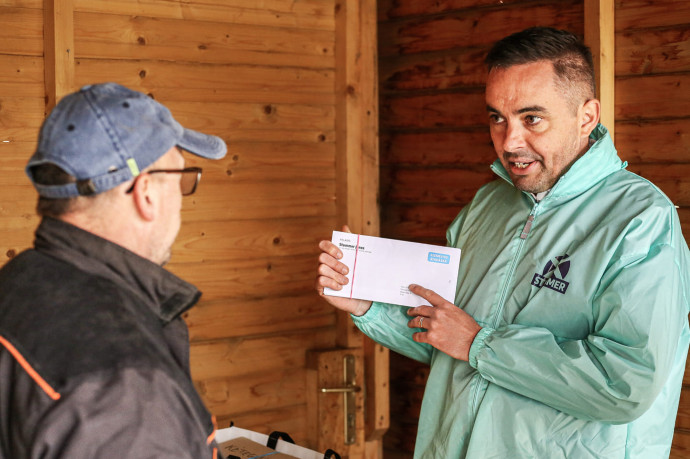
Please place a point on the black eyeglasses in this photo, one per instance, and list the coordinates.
(188, 182)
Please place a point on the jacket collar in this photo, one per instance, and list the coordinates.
(600, 161)
(166, 294)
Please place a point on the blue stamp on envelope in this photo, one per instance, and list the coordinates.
(438, 258)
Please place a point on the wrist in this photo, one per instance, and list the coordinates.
(362, 308)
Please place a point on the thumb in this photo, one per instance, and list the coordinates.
(346, 229)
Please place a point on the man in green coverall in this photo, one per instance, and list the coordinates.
(568, 333)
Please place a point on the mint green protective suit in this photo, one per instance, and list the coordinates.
(584, 316)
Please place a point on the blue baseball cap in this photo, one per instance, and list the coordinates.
(106, 134)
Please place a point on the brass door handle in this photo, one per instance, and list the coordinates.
(342, 390)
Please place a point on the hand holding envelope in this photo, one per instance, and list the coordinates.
(444, 325)
(381, 269)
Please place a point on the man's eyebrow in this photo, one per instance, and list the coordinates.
(533, 108)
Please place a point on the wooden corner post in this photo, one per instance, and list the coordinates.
(600, 35)
(357, 187)
(58, 46)
(356, 126)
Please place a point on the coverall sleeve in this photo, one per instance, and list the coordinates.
(615, 373)
(387, 324)
(134, 412)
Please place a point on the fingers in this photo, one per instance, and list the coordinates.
(331, 271)
(330, 278)
(331, 249)
(432, 297)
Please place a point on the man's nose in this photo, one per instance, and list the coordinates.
(514, 139)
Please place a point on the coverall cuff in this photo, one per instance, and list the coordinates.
(373, 312)
(478, 345)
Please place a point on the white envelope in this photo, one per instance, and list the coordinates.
(381, 269)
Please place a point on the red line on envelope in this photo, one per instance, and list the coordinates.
(354, 268)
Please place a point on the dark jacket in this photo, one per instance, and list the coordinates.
(94, 356)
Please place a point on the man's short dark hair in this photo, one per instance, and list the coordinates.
(50, 174)
(571, 59)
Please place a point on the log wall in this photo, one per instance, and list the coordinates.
(435, 146)
(653, 118)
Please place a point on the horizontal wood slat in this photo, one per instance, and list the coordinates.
(211, 83)
(419, 222)
(635, 14)
(448, 186)
(454, 148)
(21, 31)
(653, 51)
(21, 76)
(269, 200)
(391, 9)
(254, 392)
(310, 14)
(434, 111)
(654, 141)
(239, 317)
(20, 118)
(638, 97)
(473, 27)
(186, 40)
(218, 240)
(267, 161)
(252, 278)
(245, 356)
(224, 117)
(445, 69)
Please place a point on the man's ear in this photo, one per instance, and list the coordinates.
(142, 194)
(589, 116)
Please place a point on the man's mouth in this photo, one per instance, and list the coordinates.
(523, 167)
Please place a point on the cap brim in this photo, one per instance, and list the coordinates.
(204, 145)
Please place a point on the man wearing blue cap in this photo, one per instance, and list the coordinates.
(94, 354)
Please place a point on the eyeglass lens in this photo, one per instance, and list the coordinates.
(189, 181)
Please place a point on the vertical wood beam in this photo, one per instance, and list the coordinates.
(357, 186)
(600, 36)
(58, 49)
(356, 88)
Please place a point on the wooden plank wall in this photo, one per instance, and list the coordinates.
(262, 76)
(653, 118)
(435, 147)
(22, 102)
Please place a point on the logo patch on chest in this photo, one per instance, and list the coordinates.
(554, 274)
